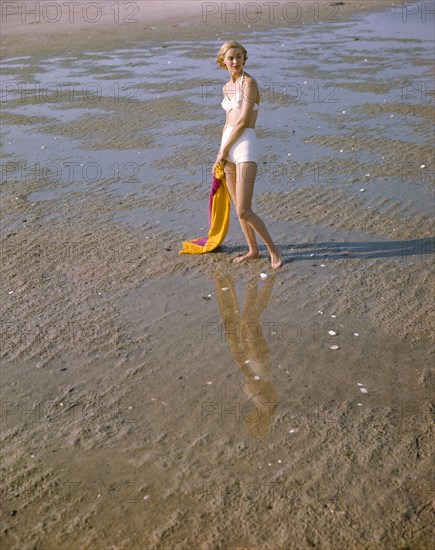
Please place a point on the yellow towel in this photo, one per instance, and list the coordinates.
(219, 218)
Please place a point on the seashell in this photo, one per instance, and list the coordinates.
(334, 346)
(263, 275)
(332, 333)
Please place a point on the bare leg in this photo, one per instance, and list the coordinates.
(248, 232)
(245, 176)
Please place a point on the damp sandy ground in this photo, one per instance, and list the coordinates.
(159, 401)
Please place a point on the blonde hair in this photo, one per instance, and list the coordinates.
(227, 46)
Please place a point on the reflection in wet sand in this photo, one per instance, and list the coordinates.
(249, 347)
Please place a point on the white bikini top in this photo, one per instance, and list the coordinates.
(236, 102)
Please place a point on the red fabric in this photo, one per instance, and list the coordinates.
(215, 184)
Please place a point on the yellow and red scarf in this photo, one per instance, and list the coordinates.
(218, 215)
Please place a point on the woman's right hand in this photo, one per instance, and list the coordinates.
(220, 160)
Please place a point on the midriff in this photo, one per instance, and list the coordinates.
(233, 116)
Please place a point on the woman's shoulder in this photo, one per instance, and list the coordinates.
(249, 77)
(249, 80)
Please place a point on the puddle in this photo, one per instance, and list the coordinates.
(241, 329)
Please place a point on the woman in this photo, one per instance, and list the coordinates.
(249, 347)
(238, 153)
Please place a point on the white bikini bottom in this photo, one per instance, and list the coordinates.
(245, 149)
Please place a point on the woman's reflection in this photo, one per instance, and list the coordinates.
(245, 337)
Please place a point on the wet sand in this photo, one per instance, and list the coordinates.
(80, 27)
(158, 401)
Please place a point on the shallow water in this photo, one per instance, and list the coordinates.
(303, 76)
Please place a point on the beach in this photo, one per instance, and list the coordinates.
(158, 401)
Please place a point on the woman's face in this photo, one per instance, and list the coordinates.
(234, 60)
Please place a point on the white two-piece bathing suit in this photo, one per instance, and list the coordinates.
(245, 148)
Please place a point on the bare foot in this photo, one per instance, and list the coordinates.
(248, 256)
(276, 259)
